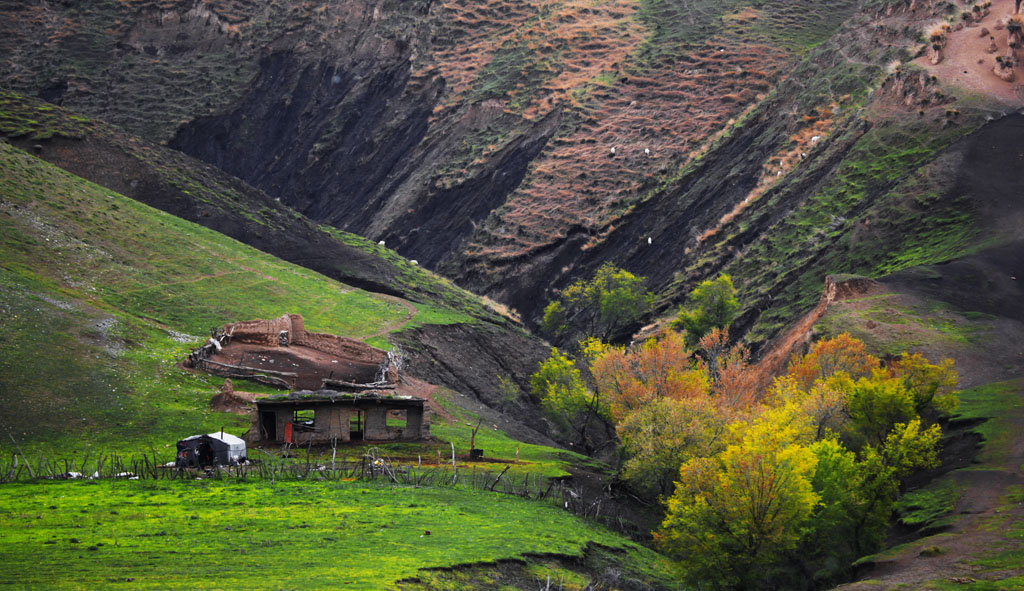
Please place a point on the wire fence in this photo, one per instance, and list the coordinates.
(372, 466)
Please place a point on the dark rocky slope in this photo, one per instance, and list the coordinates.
(351, 149)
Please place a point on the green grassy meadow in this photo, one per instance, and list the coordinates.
(500, 449)
(262, 535)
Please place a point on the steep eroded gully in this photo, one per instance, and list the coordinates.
(353, 145)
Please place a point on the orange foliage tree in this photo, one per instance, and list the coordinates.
(662, 368)
(732, 381)
(830, 357)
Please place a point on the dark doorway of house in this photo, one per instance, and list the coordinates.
(356, 426)
(268, 423)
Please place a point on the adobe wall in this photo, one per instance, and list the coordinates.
(298, 324)
(263, 332)
(266, 333)
(340, 347)
(376, 426)
(333, 423)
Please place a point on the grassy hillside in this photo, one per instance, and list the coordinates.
(217, 535)
(172, 182)
(102, 296)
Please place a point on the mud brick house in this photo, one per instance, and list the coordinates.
(325, 416)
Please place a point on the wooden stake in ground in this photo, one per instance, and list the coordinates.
(455, 471)
(18, 447)
(472, 438)
(499, 477)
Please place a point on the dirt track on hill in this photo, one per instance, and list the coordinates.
(398, 324)
(981, 283)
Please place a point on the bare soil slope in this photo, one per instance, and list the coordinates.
(968, 310)
(310, 366)
(968, 63)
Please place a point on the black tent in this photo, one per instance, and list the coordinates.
(213, 449)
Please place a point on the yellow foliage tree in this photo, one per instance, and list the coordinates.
(932, 385)
(734, 514)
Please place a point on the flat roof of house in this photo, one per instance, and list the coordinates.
(336, 397)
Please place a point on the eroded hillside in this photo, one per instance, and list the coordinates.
(455, 131)
(516, 147)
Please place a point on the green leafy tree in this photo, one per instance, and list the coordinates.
(713, 304)
(575, 409)
(877, 404)
(856, 499)
(606, 303)
(508, 390)
(554, 321)
(662, 435)
(850, 520)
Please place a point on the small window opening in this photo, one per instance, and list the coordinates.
(397, 419)
(302, 420)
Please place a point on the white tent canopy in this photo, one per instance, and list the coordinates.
(227, 448)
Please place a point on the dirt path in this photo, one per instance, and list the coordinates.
(797, 338)
(234, 261)
(411, 312)
(410, 386)
(966, 62)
